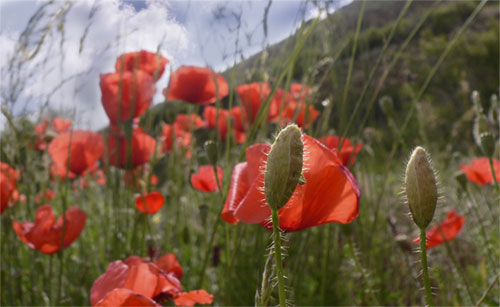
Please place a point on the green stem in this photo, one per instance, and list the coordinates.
(457, 267)
(277, 257)
(207, 253)
(324, 264)
(425, 274)
(488, 290)
(494, 175)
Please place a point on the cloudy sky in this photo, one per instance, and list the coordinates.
(64, 73)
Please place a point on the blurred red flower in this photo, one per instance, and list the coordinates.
(348, 152)
(170, 264)
(204, 180)
(330, 194)
(126, 95)
(82, 148)
(150, 203)
(303, 114)
(125, 297)
(198, 85)
(182, 138)
(48, 195)
(189, 122)
(149, 62)
(253, 95)
(8, 185)
(450, 228)
(145, 280)
(210, 115)
(480, 170)
(239, 125)
(193, 297)
(142, 148)
(45, 234)
(61, 125)
(40, 130)
(299, 92)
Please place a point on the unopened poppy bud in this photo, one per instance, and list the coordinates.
(284, 166)
(421, 187)
(211, 149)
(461, 179)
(386, 105)
(494, 111)
(487, 143)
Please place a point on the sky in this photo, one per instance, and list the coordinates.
(64, 73)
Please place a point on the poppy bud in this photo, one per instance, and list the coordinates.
(284, 166)
(211, 150)
(487, 143)
(420, 187)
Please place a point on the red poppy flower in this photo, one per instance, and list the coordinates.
(299, 92)
(135, 274)
(205, 180)
(151, 63)
(330, 194)
(450, 228)
(239, 128)
(193, 297)
(61, 125)
(125, 297)
(149, 204)
(480, 171)
(45, 234)
(126, 95)
(253, 95)
(8, 185)
(143, 278)
(142, 148)
(297, 110)
(40, 130)
(348, 152)
(189, 122)
(210, 115)
(48, 195)
(83, 148)
(169, 134)
(198, 85)
(170, 264)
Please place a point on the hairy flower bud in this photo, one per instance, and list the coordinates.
(487, 143)
(421, 187)
(284, 167)
(211, 150)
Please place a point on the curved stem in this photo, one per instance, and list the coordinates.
(277, 257)
(425, 274)
(493, 174)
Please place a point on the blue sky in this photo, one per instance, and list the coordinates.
(186, 32)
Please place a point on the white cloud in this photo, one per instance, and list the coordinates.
(111, 28)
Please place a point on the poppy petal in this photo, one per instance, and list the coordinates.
(125, 297)
(115, 277)
(169, 264)
(151, 203)
(205, 181)
(193, 297)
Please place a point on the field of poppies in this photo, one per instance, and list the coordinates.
(249, 193)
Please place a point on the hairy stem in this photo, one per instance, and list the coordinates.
(278, 259)
(425, 274)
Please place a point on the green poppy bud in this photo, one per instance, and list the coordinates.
(211, 150)
(421, 187)
(284, 167)
(487, 143)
